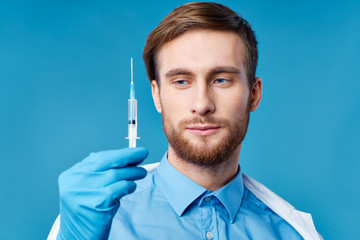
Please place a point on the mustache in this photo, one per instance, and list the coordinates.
(222, 122)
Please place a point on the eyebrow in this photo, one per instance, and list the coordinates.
(177, 71)
(213, 71)
(224, 69)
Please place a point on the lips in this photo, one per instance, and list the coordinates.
(203, 130)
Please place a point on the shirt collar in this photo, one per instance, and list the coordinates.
(181, 191)
(231, 195)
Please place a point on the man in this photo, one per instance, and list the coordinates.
(201, 61)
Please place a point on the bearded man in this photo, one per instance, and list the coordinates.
(201, 62)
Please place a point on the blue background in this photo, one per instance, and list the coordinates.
(64, 78)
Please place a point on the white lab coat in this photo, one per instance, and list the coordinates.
(300, 221)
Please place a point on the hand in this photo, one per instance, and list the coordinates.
(90, 192)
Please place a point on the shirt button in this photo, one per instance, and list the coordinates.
(208, 199)
(209, 235)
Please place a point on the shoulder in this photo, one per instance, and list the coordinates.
(254, 204)
(265, 195)
(301, 221)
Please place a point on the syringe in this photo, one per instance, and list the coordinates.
(132, 113)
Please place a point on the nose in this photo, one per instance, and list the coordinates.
(202, 101)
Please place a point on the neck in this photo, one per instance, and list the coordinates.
(211, 178)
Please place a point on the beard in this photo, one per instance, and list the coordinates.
(203, 152)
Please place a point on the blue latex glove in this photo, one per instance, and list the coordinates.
(90, 192)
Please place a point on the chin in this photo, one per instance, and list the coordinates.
(205, 146)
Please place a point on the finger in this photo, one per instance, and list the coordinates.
(120, 174)
(128, 173)
(105, 160)
(122, 188)
(98, 180)
(110, 195)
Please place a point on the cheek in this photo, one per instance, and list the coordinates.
(172, 106)
(234, 104)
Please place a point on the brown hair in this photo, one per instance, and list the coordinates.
(200, 15)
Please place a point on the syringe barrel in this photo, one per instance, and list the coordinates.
(132, 111)
(132, 122)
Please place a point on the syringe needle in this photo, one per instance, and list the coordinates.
(132, 73)
(132, 87)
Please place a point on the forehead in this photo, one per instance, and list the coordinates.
(200, 50)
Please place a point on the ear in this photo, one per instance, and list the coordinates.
(155, 90)
(256, 93)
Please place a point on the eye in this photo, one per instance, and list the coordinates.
(181, 83)
(222, 82)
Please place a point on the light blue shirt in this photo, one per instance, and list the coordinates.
(169, 205)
